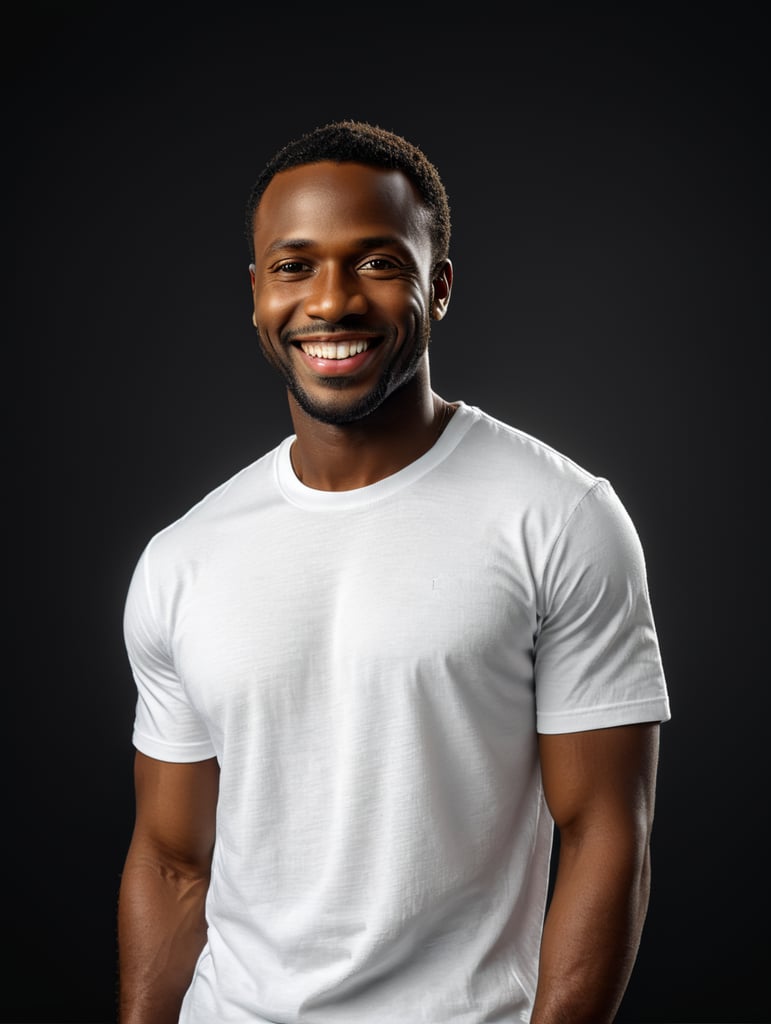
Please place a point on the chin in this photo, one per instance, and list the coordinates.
(337, 414)
(337, 410)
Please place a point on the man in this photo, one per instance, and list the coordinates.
(377, 665)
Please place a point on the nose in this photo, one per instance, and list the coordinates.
(335, 292)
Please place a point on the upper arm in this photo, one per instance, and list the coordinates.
(176, 810)
(601, 778)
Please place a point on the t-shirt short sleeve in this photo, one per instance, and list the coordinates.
(166, 726)
(597, 659)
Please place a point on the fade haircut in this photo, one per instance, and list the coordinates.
(362, 143)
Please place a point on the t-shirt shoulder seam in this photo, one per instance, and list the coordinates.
(597, 484)
(538, 442)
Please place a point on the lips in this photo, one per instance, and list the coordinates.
(337, 358)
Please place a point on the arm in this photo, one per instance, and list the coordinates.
(161, 923)
(600, 788)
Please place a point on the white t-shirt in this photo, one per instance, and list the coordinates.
(370, 668)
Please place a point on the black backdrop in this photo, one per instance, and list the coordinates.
(607, 179)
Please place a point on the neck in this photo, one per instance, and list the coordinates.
(343, 458)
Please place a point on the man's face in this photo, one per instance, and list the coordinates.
(342, 285)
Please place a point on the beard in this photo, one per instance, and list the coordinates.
(336, 411)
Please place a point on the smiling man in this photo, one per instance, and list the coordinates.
(345, 283)
(377, 666)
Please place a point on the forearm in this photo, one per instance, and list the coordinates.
(161, 931)
(592, 930)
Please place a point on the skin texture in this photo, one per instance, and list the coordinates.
(161, 924)
(342, 253)
(600, 788)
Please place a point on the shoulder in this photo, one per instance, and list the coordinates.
(536, 472)
(226, 508)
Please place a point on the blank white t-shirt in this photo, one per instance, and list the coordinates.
(370, 668)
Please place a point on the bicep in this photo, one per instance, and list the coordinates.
(176, 809)
(601, 778)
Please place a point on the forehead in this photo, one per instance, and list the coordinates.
(327, 199)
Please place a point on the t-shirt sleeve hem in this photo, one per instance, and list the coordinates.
(654, 709)
(182, 753)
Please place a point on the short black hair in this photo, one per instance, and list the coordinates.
(359, 142)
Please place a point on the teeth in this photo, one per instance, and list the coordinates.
(331, 350)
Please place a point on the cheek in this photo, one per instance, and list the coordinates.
(417, 313)
(272, 305)
(407, 308)
(270, 349)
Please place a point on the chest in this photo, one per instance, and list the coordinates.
(329, 610)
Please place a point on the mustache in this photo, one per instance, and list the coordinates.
(319, 327)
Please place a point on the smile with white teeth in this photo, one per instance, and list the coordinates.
(334, 350)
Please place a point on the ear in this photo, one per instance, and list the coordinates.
(440, 291)
(252, 282)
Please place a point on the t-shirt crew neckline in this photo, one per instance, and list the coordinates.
(308, 497)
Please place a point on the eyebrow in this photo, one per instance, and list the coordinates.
(296, 244)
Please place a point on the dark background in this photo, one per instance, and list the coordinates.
(607, 175)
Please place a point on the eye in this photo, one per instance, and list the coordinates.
(291, 267)
(379, 263)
